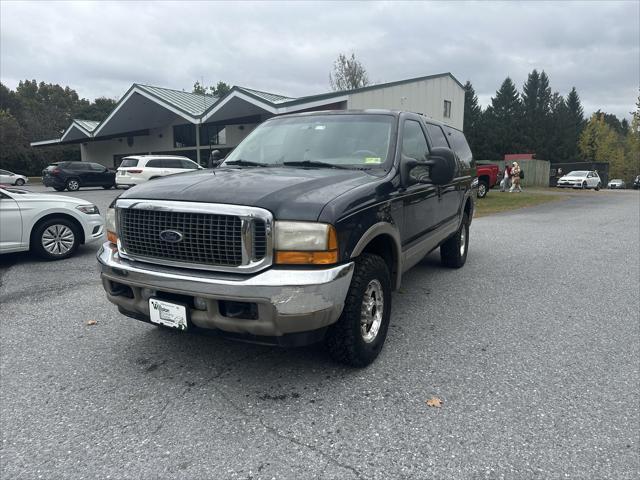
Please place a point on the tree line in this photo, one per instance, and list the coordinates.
(41, 111)
(551, 126)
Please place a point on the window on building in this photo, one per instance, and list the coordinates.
(184, 135)
(212, 134)
(447, 109)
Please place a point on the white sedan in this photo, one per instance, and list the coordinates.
(581, 179)
(10, 178)
(52, 226)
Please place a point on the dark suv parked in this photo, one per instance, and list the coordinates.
(300, 235)
(73, 175)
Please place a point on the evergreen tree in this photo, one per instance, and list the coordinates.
(536, 101)
(574, 127)
(472, 120)
(557, 147)
(503, 122)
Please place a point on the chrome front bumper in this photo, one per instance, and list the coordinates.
(288, 300)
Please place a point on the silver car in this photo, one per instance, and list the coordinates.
(10, 178)
(580, 179)
(616, 183)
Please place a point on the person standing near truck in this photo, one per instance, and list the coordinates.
(515, 178)
(505, 184)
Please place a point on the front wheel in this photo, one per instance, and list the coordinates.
(584, 185)
(483, 188)
(357, 337)
(55, 239)
(19, 182)
(453, 252)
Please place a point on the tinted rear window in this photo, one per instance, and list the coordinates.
(156, 164)
(459, 144)
(129, 162)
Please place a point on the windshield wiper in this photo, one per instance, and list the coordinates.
(312, 163)
(245, 163)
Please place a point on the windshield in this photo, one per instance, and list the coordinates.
(577, 174)
(348, 141)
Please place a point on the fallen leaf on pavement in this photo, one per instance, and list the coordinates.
(91, 322)
(434, 402)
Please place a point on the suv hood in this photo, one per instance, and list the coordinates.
(289, 193)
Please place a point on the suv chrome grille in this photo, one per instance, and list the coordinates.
(206, 239)
(201, 238)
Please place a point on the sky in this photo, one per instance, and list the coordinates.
(100, 49)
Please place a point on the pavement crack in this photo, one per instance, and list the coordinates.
(274, 431)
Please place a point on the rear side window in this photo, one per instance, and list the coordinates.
(460, 145)
(172, 163)
(129, 162)
(96, 167)
(82, 167)
(437, 135)
(156, 163)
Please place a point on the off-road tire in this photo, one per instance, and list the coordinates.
(451, 253)
(483, 189)
(344, 338)
(36, 238)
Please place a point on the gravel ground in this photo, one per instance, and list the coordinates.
(533, 347)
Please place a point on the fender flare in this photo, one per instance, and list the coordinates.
(376, 230)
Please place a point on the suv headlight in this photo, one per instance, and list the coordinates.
(89, 209)
(305, 243)
(112, 235)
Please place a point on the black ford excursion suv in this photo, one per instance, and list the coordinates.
(300, 235)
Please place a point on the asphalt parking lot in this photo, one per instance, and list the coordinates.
(533, 347)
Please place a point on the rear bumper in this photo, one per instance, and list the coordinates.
(51, 181)
(129, 181)
(288, 302)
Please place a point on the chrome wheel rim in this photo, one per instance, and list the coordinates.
(463, 240)
(372, 311)
(73, 185)
(482, 190)
(58, 239)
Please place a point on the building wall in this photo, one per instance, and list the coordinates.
(158, 140)
(426, 97)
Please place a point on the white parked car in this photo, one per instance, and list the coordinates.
(50, 225)
(10, 178)
(616, 183)
(138, 169)
(581, 179)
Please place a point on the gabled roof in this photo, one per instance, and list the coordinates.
(194, 104)
(197, 108)
(88, 125)
(269, 97)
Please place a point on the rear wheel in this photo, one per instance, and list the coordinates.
(19, 182)
(73, 185)
(598, 187)
(55, 239)
(59, 189)
(483, 188)
(453, 252)
(357, 337)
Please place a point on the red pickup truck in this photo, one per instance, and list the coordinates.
(487, 178)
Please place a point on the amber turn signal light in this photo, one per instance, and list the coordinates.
(112, 237)
(307, 258)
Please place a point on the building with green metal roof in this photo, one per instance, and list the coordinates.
(156, 120)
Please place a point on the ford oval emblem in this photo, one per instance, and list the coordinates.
(171, 236)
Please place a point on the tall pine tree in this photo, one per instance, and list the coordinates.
(472, 120)
(537, 125)
(503, 120)
(575, 125)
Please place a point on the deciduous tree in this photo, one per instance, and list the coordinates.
(348, 73)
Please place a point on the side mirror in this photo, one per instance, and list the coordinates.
(215, 158)
(443, 165)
